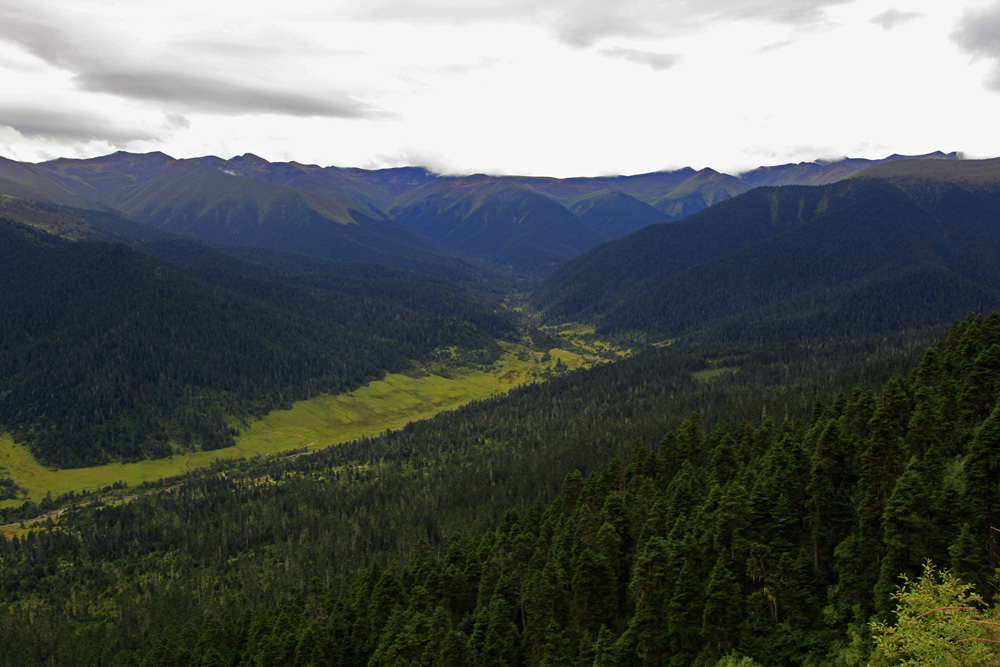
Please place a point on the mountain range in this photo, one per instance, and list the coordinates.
(160, 301)
(405, 217)
(760, 486)
(901, 245)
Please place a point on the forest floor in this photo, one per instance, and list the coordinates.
(387, 404)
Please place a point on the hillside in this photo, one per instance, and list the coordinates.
(371, 192)
(674, 194)
(615, 214)
(428, 542)
(403, 218)
(503, 222)
(119, 356)
(827, 172)
(210, 204)
(602, 277)
(798, 254)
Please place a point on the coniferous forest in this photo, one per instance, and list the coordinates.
(775, 538)
(804, 417)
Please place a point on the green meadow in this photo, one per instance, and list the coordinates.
(323, 421)
(710, 374)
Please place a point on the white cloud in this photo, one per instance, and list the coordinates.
(217, 95)
(658, 61)
(978, 33)
(583, 23)
(558, 87)
(893, 18)
(74, 126)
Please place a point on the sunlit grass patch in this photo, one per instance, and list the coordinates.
(323, 421)
(710, 374)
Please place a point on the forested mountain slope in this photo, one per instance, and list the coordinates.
(783, 261)
(602, 277)
(207, 201)
(262, 262)
(774, 539)
(615, 214)
(778, 543)
(504, 222)
(110, 354)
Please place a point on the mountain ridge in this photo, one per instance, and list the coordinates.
(352, 214)
(794, 244)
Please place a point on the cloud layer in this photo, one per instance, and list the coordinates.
(213, 74)
(583, 23)
(216, 95)
(523, 86)
(69, 125)
(978, 33)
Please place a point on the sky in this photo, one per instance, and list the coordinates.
(529, 87)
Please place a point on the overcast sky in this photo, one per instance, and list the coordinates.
(539, 87)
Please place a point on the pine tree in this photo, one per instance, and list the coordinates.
(646, 637)
(981, 474)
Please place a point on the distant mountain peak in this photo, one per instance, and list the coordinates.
(249, 158)
(825, 171)
(936, 155)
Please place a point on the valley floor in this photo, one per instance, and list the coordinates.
(326, 420)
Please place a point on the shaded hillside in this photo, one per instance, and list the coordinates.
(757, 256)
(916, 297)
(705, 188)
(190, 198)
(673, 193)
(78, 224)
(115, 355)
(615, 214)
(501, 221)
(601, 278)
(258, 261)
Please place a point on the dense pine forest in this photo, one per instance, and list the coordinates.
(860, 257)
(686, 537)
(118, 355)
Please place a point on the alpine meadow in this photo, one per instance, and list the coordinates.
(256, 414)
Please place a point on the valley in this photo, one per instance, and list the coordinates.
(309, 425)
(273, 413)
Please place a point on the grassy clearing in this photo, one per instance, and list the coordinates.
(582, 338)
(714, 373)
(323, 421)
